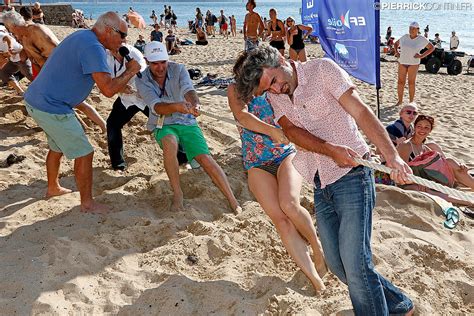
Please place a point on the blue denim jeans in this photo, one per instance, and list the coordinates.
(344, 220)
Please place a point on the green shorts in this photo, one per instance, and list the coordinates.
(64, 132)
(189, 136)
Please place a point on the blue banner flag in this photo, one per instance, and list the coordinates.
(309, 15)
(349, 34)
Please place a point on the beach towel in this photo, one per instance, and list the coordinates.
(432, 166)
(186, 42)
(221, 83)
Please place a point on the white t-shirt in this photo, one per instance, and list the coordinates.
(16, 47)
(117, 68)
(454, 42)
(410, 47)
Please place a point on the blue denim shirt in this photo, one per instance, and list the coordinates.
(177, 84)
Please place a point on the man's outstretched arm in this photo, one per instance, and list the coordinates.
(373, 129)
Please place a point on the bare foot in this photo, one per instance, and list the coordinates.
(177, 204)
(321, 267)
(57, 191)
(238, 210)
(95, 208)
(235, 206)
(318, 285)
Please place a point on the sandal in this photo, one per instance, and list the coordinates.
(452, 217)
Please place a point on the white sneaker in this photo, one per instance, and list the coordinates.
(193, 165)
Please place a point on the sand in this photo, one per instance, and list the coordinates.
(143, 259)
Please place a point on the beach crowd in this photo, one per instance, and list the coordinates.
(286, 136)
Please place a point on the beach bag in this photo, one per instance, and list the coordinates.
(432, 166)
(194, 73)
(214, 18)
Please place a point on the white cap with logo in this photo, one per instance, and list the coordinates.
(156, 51)
(415, 25)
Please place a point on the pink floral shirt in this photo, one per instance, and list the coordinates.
(315, 107)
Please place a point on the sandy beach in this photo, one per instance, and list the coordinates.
(142, 259)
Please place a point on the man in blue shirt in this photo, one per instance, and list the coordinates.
(64, 82)
(402, 129)
(174, 104)
(156, 34)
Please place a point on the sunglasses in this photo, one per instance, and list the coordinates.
(425, 117)
(409, 112)
(123, 35)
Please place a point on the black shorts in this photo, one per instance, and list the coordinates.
(271, 168)
(278, 44)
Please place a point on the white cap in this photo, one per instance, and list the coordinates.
(415, 25)
(156, 51)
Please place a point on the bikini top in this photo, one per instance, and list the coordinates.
(278, 28)
(413, 153)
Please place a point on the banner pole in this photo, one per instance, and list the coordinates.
(377, 53)
(378, 102)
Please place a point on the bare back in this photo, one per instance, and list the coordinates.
(39, 43)
(253, 22)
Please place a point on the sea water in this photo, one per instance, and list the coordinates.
(441, 16)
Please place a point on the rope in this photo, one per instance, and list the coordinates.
(463, 196)
(220, 118)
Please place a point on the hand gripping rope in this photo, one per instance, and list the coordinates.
(460, 195)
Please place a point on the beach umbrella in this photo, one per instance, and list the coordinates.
(136, 20)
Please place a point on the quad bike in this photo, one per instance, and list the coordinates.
(441, 58)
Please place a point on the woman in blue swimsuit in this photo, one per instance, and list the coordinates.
(275, 183)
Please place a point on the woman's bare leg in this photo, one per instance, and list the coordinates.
(293, 54)
(412, 72)
(289, 189)
(461, 174)
(265, 188)
(302, 55)
(402, 77)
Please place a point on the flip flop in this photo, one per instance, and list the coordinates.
(452, 217)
